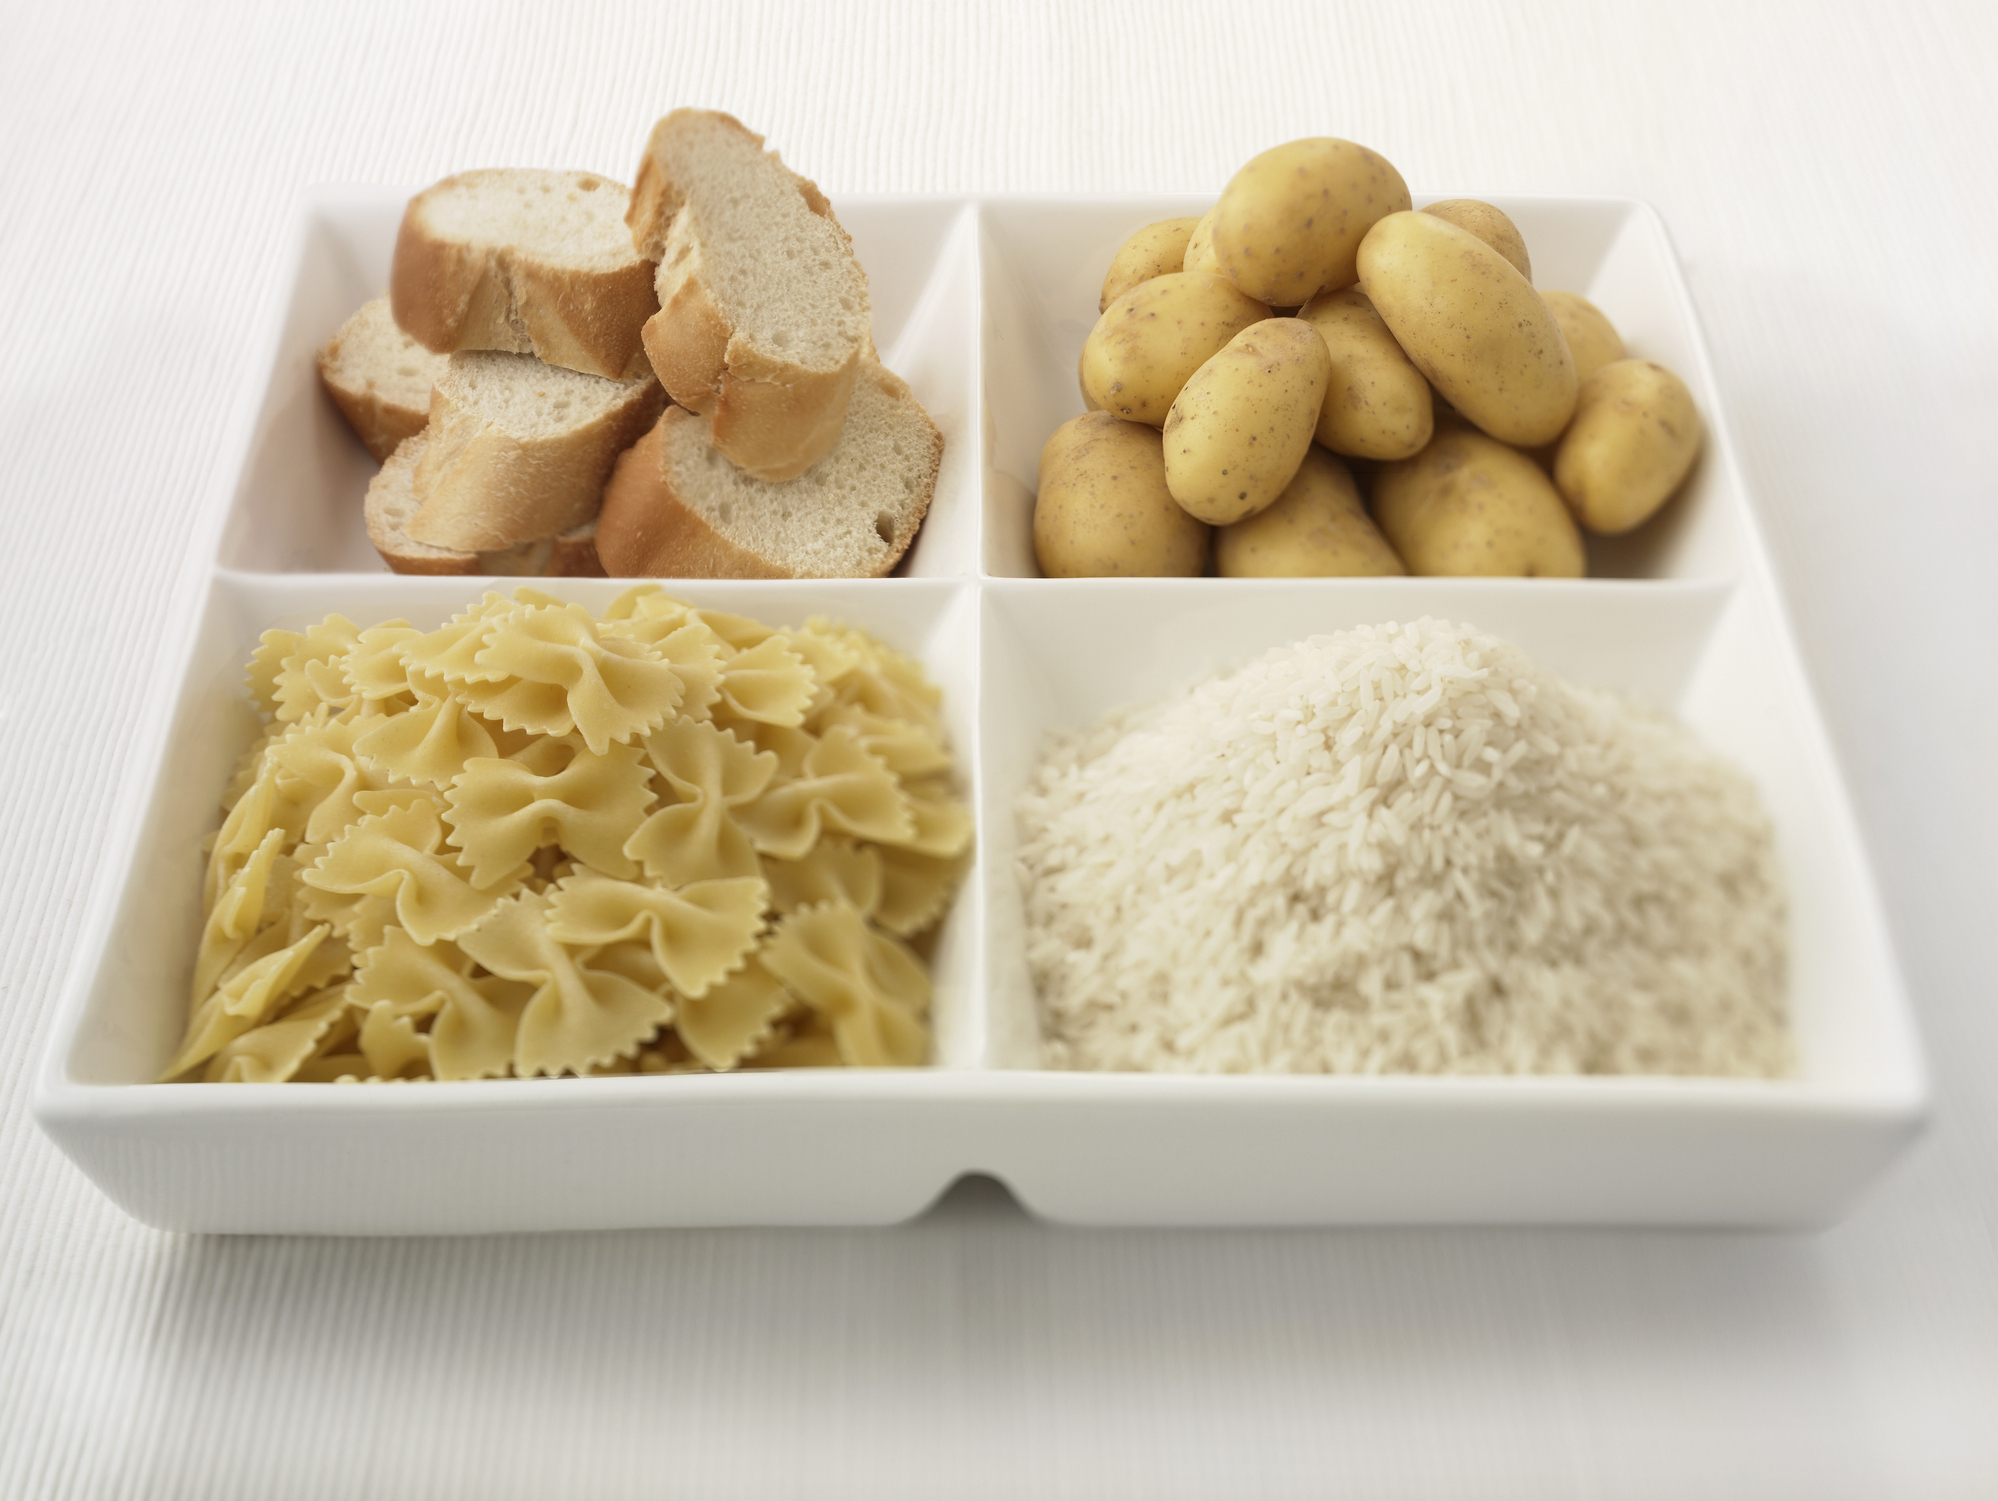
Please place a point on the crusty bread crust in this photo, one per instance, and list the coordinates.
(686, 342)
(774, 417)
(390, 503)
(573, 554)
(389, 506)
(379, 378)
(377, 421)
(483, 488)
(644, 531)
(453, 294)
(656, 197)
(649, 529)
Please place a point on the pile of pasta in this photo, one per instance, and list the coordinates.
(535, 843)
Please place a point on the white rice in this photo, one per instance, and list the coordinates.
(1401, 849)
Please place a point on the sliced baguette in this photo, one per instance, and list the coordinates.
(572, 554)
(763, 311)
(392, 505)
(379, 377)
(525, 261)
(675, 508)
(519, 450)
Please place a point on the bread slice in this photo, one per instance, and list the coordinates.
(528, 262)
(520, 450)
(379, 377)
(392, 505)
(675, 508)
(571, 554)
(763, 311)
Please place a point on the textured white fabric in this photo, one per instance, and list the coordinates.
(1826, 171)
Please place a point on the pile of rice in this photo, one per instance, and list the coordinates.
(1401, 849)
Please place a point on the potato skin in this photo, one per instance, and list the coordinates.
(1240, 428)
(1152, 251)
(1469, 506)
(1634, 438)
(1318, 528)
(1103, 509)
(1149, 341)
(1200, 247)
(1290, 222)
(1472, 324)
(1089, 403)
(1489, 224)
(1377, 404)
(1592, 339)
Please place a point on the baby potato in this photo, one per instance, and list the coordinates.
(1150, 340)
(1467, 505)
(1377, 404)
(1289, 223)
(1152, 251)
(1089, 403)
(1238, 431)
(1103, 509)
(1634, 438)
(1200, 247)
(1490, 225)
(1317, 528)
(1592, 339)
(1472, 324)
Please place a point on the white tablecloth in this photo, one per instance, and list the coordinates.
(1826, 171)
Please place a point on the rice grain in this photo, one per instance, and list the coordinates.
(1401, 849)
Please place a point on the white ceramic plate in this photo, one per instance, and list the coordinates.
(983, 307)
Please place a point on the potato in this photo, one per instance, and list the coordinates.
(1289, 223)
(1634, 438)
(1238, 431)
(1152, 251)
(1089, 403)
(1377, 404)
(1316, 529)
(1488, 224)
(1200, 248)
(1467, 505)
(1592, 339)
(1103, 509)
(1472, 324)
(1149, 341)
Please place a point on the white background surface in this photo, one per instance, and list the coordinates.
(1826, 171)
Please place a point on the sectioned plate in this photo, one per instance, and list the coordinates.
(983, 306)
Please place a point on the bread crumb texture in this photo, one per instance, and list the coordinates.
(851, 515)
(782, 273)
(571, 219)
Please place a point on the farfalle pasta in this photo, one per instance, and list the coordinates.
(401, 854)
(310, 676)
(698, 934)
(841, 788)
(768, 683)
(552, 792)
(708, 776)
(430, 741)
(533, 842)
(546, 669)
(872, 990)
(580, 1014)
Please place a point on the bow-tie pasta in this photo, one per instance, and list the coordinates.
(532, 842)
